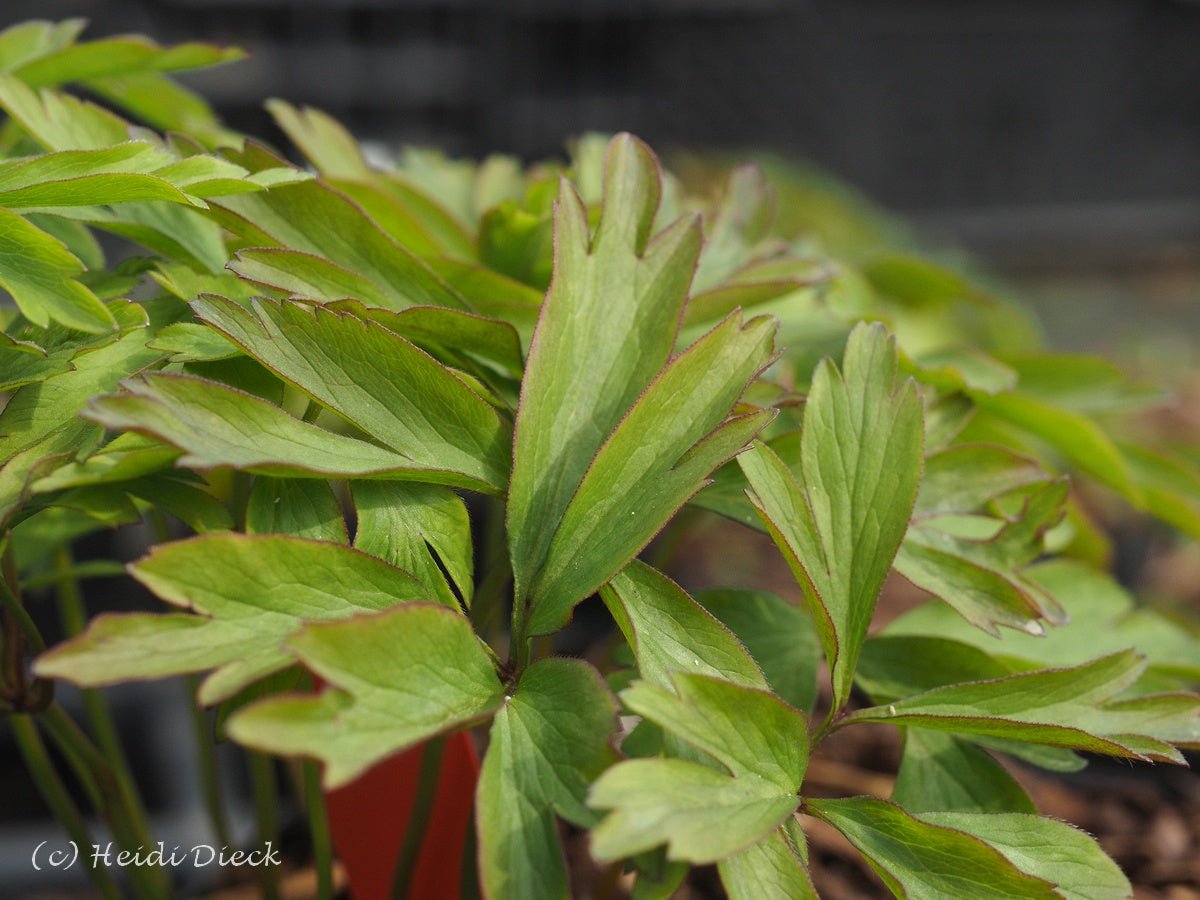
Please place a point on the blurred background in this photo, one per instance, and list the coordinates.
(1055, 143)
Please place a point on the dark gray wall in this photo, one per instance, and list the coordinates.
(928, 105)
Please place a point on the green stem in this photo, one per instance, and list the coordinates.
(206, 759)
(418, 818)
(312, 411)
(318, 826)
(20, 616)
(74, 618)
(488, 605)
(240, 499)
(520, 638)
(266, 812)
(54, 792)
(110, 800)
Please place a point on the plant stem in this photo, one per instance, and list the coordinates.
(54, 792)
(74, 618)
(418, 818)
(239, 499)
(98, 776)
(206, 759)
(318, 826)
(487, 607)
(266, 812)
(20, 616)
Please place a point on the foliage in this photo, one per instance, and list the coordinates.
(329, 374)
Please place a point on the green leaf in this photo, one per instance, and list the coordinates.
(126, 457)
(670, 632)
(302, 507)
(607, 326)
(251, 593)
(59, 121)
(951, 370)
(1045, 848)
(1170, 485)
(219, 426)
(702, 815)
(1085, 384)
(119, 56)
(408, 214)
(313, 218)
(36, 410)
(963, 478)
(420, 528)
(981, 575)
(896, 666)
(778, 634)
(1103, 618)
(166, 105)
(22, 469)
(940, 773)
(492, 294)
(1075, 708)
(518, 241)
(380, 382)
(740, 230)
(26, 41)
(920, 859)
(189, 342)
(395, 679)
(41, 274)
(751, 732)
(1080, 440)
(322, 140)
(549, 741)
(196, 508)
(23, 362)
(457, 338)
(840, 526)
(659, 456)
(305, 275)
(770, 870)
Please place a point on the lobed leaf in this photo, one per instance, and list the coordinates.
(1103, 618)
(1075, 708)
(670, 632)
(779, 635)
(313, 218)
(659, 456)
(606, 327)
(1045, 848)
(940, 773)
(385, 692)
(772, 869)
(250, 593)
(301, 507)
(841, 525)
(916, 858)
(751, 732)
(220, 426)
(420, 528)
(375, 379)
(548, 742)
(702, 815)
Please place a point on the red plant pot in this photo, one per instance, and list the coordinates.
(369, 816)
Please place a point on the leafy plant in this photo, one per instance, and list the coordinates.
(398, 405)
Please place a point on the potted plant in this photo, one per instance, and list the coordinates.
(415, 416)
